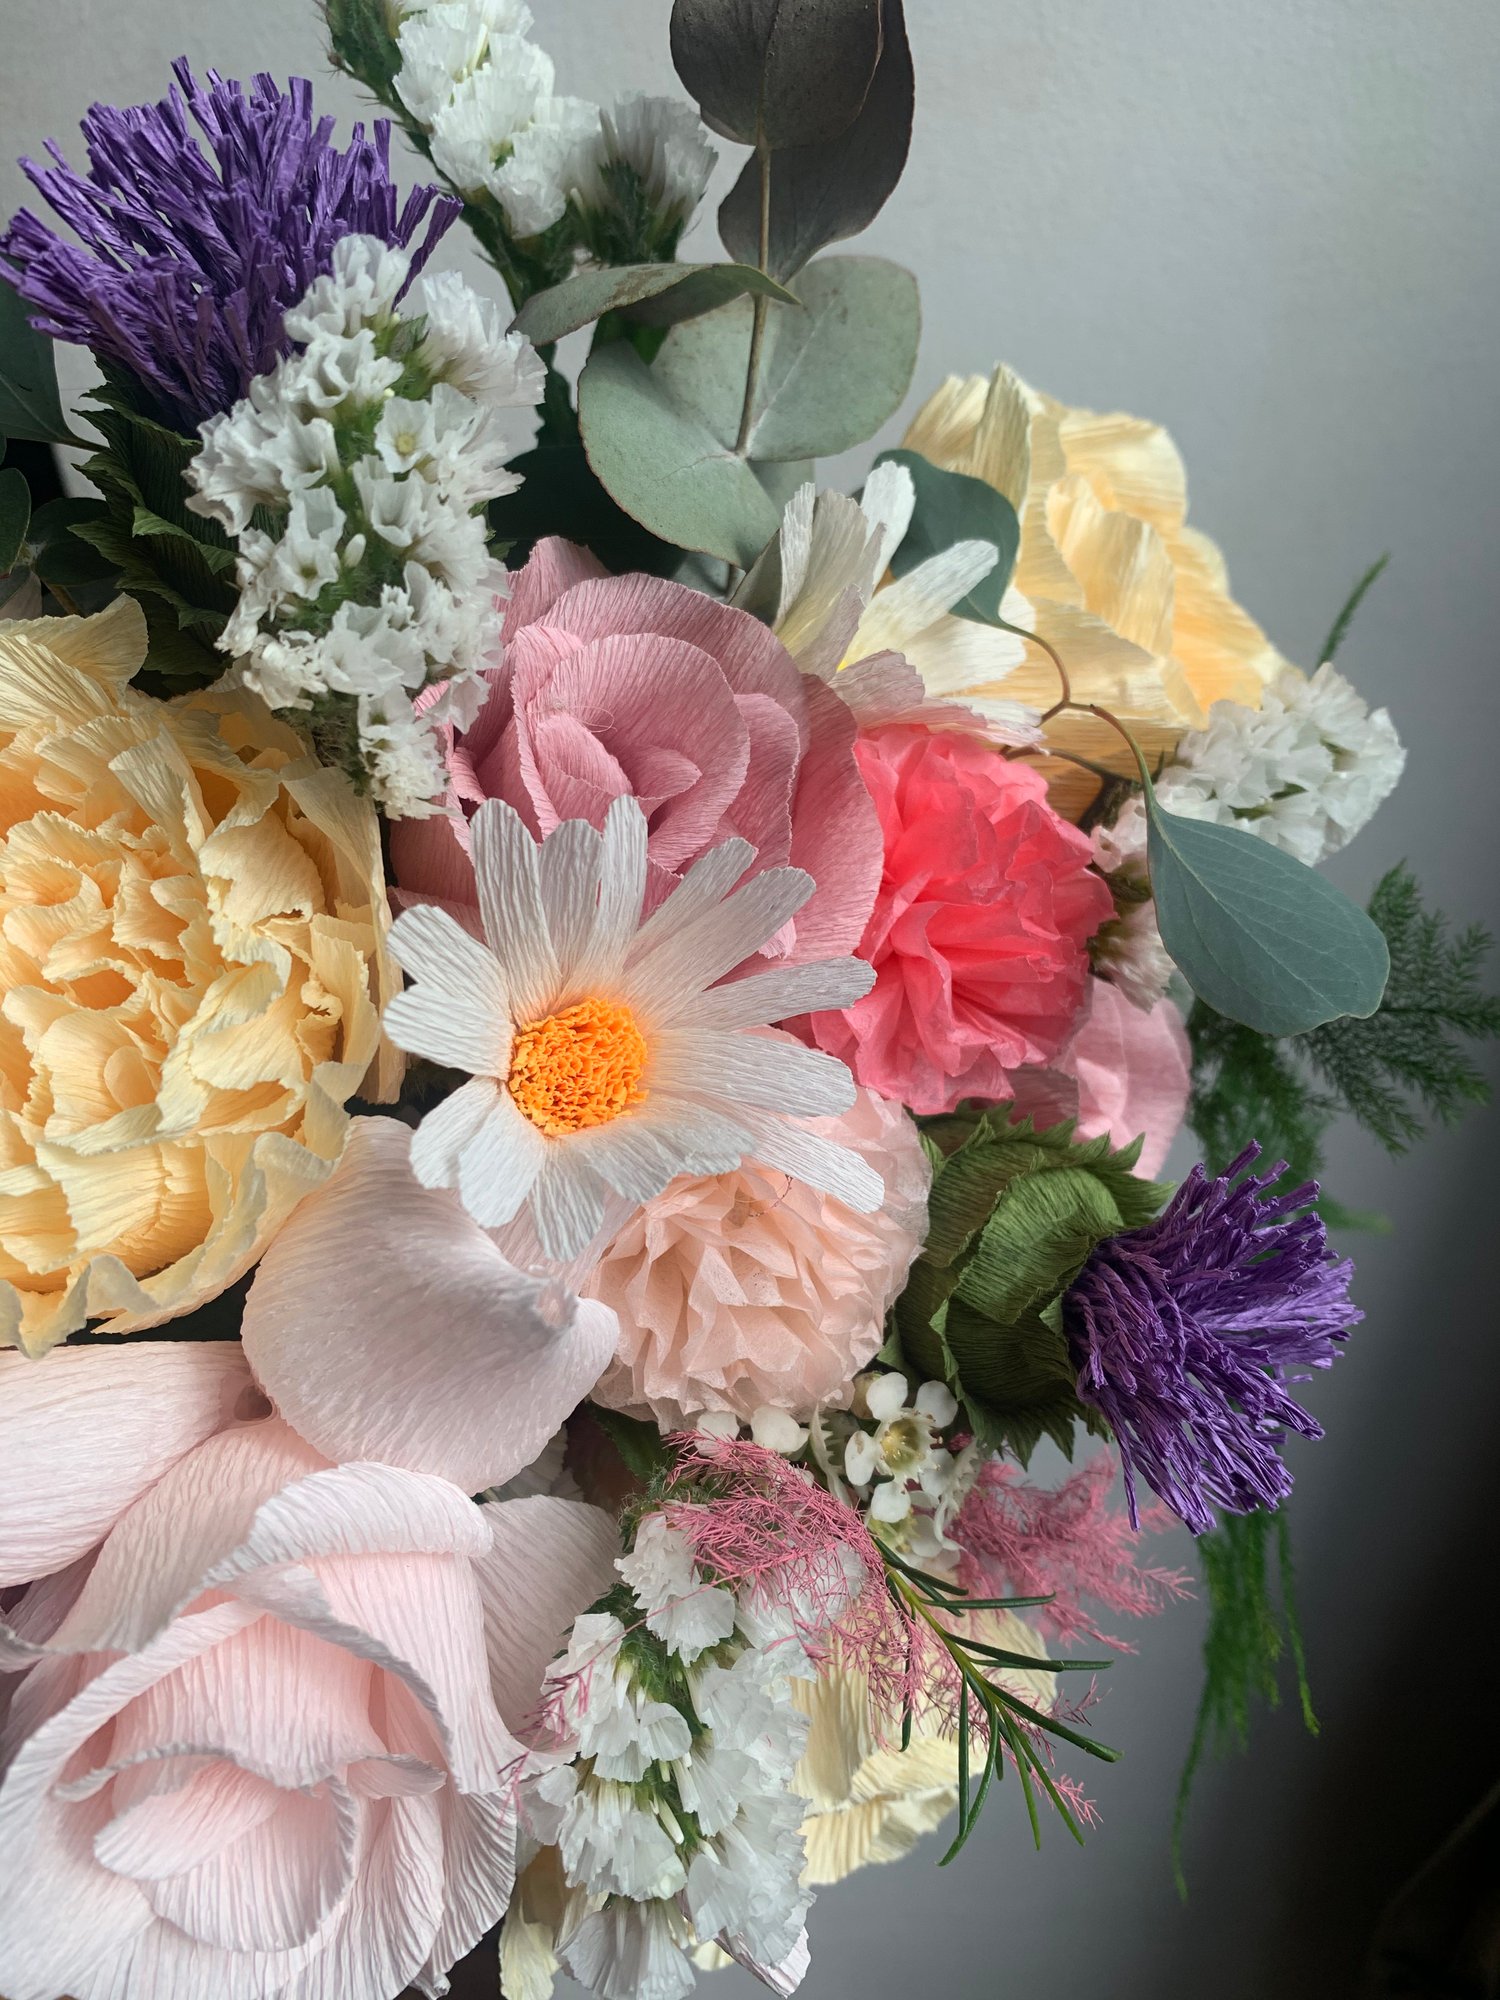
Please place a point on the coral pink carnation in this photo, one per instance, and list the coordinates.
(616, 685)
(749, 1290)
(978, 936)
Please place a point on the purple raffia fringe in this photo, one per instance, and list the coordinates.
(1183, 1334)
(191, 259)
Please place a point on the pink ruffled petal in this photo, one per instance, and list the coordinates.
(386, 1325)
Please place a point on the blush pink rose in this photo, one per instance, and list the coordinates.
(980, 928)
(750, 1290)
(615, 685)
(1126, 1073)
(262, 1711)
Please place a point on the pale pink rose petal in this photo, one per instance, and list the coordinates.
(88, 1429)
(551, 1559)
(1133, 1071)
(554, 566)
(386, 1325)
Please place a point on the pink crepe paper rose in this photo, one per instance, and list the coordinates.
(1125, 1073)
(979, 930)
(614, 685)
(750, 1290)
(263, 1710)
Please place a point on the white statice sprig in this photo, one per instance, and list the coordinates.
(1305, 771)
(354, 477)
(639, 179)
(485, 97)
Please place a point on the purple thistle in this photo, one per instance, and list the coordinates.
(1184, 1332)
(191, 260)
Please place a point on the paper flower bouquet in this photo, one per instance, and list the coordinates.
(587, 1031)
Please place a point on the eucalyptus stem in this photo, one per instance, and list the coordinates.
(759, 304)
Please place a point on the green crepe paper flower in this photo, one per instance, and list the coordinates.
(1014, 1214)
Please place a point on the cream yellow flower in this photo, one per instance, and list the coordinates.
(191, 973)
(1135, 601)
(869, 1801)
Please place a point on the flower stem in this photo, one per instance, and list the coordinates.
(759, 305)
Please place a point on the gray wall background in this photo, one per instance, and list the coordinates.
(1270, 225)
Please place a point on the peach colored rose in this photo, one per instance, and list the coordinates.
(632, 685)
(749, 1290)
(191, 971)
(264, 1708)
(1136, 601)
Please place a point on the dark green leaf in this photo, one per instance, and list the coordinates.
(15, 516)
(1345, 619)
(825, 192)
(653, 294)
(830, 374)
(951, 507)
(29, 402)
(781, 72)
(560, 495)
(1258, 935)
(660, 461)
(640, 1445)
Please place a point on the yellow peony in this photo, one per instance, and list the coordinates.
(191, 974)
(1136, 602)
(869, 1801)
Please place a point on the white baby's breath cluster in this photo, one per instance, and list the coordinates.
(373, 449)
(485, 96)
(676, 1825)
(1305, 771)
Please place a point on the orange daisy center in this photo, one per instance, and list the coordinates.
(579, 1068)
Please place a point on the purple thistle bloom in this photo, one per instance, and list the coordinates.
(1184, 1332)
(191, 260)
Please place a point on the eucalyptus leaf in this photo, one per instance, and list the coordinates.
(824, 192)
(15, 516)
(654, 294)
(777, 72)
(663, 464)
(29, 403)
(1261, 937)
(830, 374)
(953, 507)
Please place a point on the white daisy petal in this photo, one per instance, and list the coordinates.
(459, 1028)
(622, 890)
(431, 945)
(718, 940)
(809, 1157)
(567, 1202)
(569, 865)
(704, 886)
(638, 1155)
(439, 1140)
(763, 1072)
(499, 1164)
(776, 995)
(905, 608)
(888, 503)
(510, 907)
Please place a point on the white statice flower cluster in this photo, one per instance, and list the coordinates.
(675, 1825)
(901, 1471)
(1306, 770)
(373, 447)
(639, 179)
(485, 96)
(1128, 951)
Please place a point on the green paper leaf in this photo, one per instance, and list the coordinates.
(782, 72)
(830, 375)
(1340, 629)
(952, 507)
(663, 464)
(653, 294)
(1258, 935)
(822, 193)
(640, 1445)
(15, 516)
(29, 403)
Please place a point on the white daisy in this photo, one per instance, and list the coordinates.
(604, 1055)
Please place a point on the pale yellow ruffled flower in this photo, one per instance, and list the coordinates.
(191, 975)
(868, 1799)
(1135, 601)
